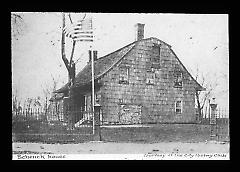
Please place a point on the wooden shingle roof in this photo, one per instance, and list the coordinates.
(101, 66)
(104, 64)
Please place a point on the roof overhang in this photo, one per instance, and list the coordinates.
(83, 87)
(200, 88)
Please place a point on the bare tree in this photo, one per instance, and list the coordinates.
(48, 90)
(53, 88)
(69, 64)
(16, 102)
(17, 25)
(46, 96)
(203, 96)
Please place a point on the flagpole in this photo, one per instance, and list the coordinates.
(92, 60)
(93, 95)
(84, 31)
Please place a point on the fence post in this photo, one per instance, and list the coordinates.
(23, 114)
(213, 106)
(26, 114)
(97, 128)
(31, 114)
(205, 114)
(17, 117)
(35, 112)
(209, 109)
(222, 115)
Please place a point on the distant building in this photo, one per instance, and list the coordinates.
(142, 82)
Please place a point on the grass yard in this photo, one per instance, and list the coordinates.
(149, 133)
(162, 133)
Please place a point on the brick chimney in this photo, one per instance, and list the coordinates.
(139, 31)
(94, 55)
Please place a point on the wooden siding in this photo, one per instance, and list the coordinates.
(157, 101)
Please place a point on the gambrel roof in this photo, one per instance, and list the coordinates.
(104, 64)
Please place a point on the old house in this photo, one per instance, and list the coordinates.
(142, 82)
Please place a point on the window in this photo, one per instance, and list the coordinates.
(85, 103)
(124, 75)
(156, 49)
(155, 59)
(152, 63)
(97, 98)
(150, 78)
(121, 101)
(148, 65)
(178, 79)
(178, 107)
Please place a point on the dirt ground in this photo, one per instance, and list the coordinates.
(128, 140)
(120, 148)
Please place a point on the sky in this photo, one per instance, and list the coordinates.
(199, 40)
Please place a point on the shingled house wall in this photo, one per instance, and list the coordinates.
(154, 103)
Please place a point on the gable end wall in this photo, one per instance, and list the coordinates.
(157, 101)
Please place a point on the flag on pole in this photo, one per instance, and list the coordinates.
(80, 31)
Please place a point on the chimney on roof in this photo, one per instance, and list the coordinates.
(139, 31)
(94, 55)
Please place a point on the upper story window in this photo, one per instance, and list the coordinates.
(156, 49)
(150, 78)
(97, 98)
(124, 75)
(152, 63)
(178, 79)
(178, 107)
(155, 59)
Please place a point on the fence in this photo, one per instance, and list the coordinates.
(221, 115)
(74, 125)
(220, 129)
(51, 125)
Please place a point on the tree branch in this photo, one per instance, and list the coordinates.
(73, 48)
(70, 18)
(65, 60)
(74, 43)
(16, 16)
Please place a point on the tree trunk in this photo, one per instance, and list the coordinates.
(71, 74)
(65, 60)
(45, 116)
(199, 107)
